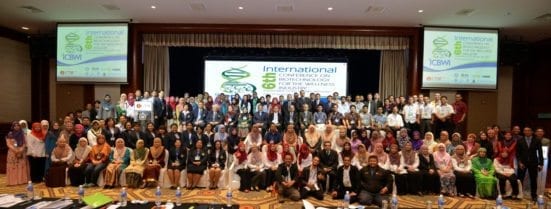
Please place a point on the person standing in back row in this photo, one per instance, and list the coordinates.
(530, 157)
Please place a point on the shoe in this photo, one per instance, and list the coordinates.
(172, 187)
(461, 195)
(515, 198)
(256, 189)
(420, 194)
(470, 196)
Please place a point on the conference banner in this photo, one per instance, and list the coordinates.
(92, 52)
(275, 77)
(460, 58)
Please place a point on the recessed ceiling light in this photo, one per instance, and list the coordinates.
(153, 7)
(240, 8)
(25, 28)
(420, 11)
(329, 8)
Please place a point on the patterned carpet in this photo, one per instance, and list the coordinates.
(251, 200)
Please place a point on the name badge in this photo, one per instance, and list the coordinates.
(106, 109)
(244, 118)
(15, 144)
(197, 158)
(112, 138)
(229, 119)
(319, 121)
(209, 145)
(177, 136)
(336, 120)
(352, 122)
(461, 165)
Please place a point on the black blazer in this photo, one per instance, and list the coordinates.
(531, 155)
(133, 137)
(185, 118)
(173, 136)
(187, 141)
(281, 173)
(257, 118)
(354, 174)
(179, 155)
(424, 165)
(279, 118)
(295, 117)
(331, 160)
(196, 115)
(218, 117)
(148, 138)
(374, 183)
(306, 175)
(222, 157)
(116, 134)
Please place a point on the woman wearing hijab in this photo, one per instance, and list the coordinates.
(361, 158)
(138, 159)
(346, 152)
(240, 167)
(99, 156)
(427, 167)
(254, 138)
(37, 152)
(120, 108)
(50, 142)
(304, 157)
(445, 170)
(75, 137)
(329, 135)
(17, 165)
(119, 160)
(256, 168)
(464, 179)
(290, 137)
(244, 122)
(429, 141)
(483, 169)
(217, 163)
(312, 139)
(378, 151)
(355, 141)
(24, 127)
(62, 155)
(233, 141)
(395, 167)
(76, 169)
(271, 159)
(196, 164)
(471, 146)
(504, 166)
(156, 161)
(455, 141)
(409, 163)
(176, 163)
(94, 132)
(221, 135)
(416, 140)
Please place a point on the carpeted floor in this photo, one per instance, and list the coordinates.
(252, 200)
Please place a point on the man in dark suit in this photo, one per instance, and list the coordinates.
(305, 118)
(347, 180)
(260, 118)
(315, 102)
(134, 135)
(287, 178)
(329, 161)
(530, 157)
(199, 114)
(303, 100)
(290, 102)
(159, 108)
(276, 118)
(311, 180)
(375, 182)
(371, 104)
(214, 117)
(292, 117)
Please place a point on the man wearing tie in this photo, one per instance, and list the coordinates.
(530, 157)
(286, 176)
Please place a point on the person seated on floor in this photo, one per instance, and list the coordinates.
(504, 166)
(62, 155)
(119, 158)
(176, 163)
(240, 167)
(155, 161)
(311, 180)
(217, 163)
(375, 182)
(287, 178)
(98, 158)
(138, 160)
(196, 165)
(347, 180)
(329, 161)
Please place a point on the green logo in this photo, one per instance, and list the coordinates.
(71, 46)
(232, 84)
(439, 51)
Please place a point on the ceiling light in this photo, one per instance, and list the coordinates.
(25, 28)
(329, 8)
(420, 11)
(240, 8)
(153, 7)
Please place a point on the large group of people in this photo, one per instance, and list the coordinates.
(300, 146)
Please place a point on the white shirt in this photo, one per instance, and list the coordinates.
(461, 166)
(394, 120)
(410, 113)
(269, 164)
(306, 162)
(443, 110)
(35, 147)
(346, 177)
(426, 111)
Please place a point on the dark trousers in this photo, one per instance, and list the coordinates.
(443, 126)
(533, 174)
(245, 182)
(341, 191)
(270, 177)
(409, 183)
(412, 127)
(425, 126)
(401, 183)
(431, 182)
(257, 178)
(92, 172)
(512, 180)
(465, 183)
(304, 193)
(37, 168)
(369, 198)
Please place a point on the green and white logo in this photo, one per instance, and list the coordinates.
(232, 84)
(439, 51)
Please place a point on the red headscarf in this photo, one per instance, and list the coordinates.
(39, 134)
(304, 152)
(172, 102)
(506, 161)
(272, 155)
(286, 146)
(241, 155)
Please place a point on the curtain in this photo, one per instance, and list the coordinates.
(393, 78)
(277, 41)
(156, 68)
